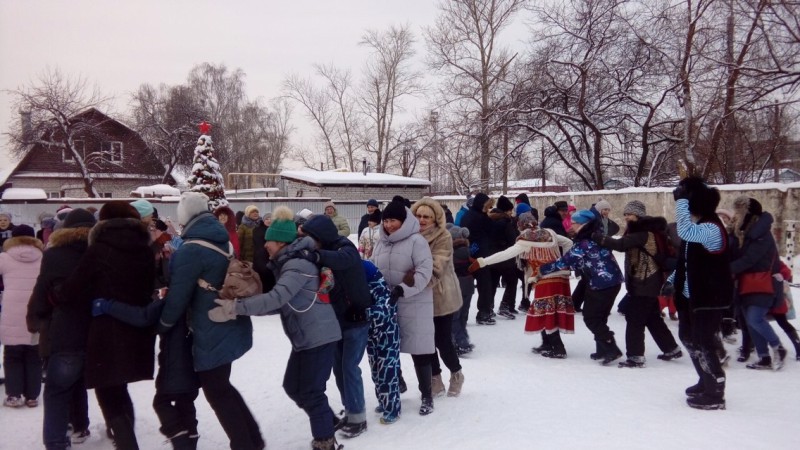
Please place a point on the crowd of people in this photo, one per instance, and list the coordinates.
(84, 298)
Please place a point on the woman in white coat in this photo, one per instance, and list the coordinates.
(404, 258)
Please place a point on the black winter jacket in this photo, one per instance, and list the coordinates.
(479, 225)
(643, 277)
(63, 326)
(350, 295)
(552, 220)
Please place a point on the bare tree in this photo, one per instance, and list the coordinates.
(49, 116)
(387, 78)
(165, 118)
(464, 44)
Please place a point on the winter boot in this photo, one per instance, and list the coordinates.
(696, 390)
(351, 430)
(710, 399)
(124, 435)
(744, 353)
(764, 363)
(524, 305)
(728, 328)
(778, 355)
(183, 441)
(485, 319)
(634, 362)
(612, 352)
(456, 383)
(669, 356)
(426, 407)
(402, 384)
(437, 386)
(792, 333)
(598, 352)
(425, 377)
(546, 345)
(326, 444)
(504, 311)
(557, 349)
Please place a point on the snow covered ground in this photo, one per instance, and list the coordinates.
(512, 399)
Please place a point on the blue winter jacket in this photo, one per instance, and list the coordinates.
(215, 344)
(592, 260)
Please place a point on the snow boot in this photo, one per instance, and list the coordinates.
(546, 345)
(710, 400)
(505, 312)
(485, 319)
(778, 355)
(326, 444)
(426, 407)
(437, 386)
(744, 353)
(696, 390)
(792, 333)
(634, 362)
(598, 352)
(351, 430)
(183, 441)
(456, 383)
(524, 305)
(124, 435)
(557, 349)
(612, 352)
(764, 363)
(669, 356)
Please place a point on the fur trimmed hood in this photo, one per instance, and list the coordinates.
(120, 233)
(66, 236)
(22, 241)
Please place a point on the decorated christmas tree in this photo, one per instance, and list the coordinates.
(206, 177)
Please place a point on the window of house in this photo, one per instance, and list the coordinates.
(112, 151)
(105, 194)
(55, 194)
(80, 147)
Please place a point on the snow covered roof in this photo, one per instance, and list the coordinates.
(24, 194)
(5, 172)
(351, 178)
(156, 190)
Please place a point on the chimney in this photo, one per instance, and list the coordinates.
(27, 127)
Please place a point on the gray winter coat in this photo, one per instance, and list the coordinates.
(307, 322)
(395, 255)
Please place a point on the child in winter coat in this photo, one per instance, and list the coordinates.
(461, 262)
(383, 345)
(369, 235)
(19, 266)
(605, 280)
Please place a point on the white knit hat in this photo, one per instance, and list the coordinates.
(190, 205)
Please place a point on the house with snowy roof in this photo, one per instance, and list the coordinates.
(118, 158)
(353, 186)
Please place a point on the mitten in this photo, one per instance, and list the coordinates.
(475, 266)
(598, 237)
(408, 278)
(397, 292)
(668, 289)
(679, 193)
(224, 312)
(100, 306)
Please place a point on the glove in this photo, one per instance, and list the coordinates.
(408, 278)
(224, 312)
(100, 306)
(311, 256)
(668, 289)
(474, 267)
(598, 237)
(679, 193)
(778, 277)
(397, 292)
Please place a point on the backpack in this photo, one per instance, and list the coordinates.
(666, 256)
(240, 278)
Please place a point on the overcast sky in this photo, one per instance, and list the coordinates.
(119, 45)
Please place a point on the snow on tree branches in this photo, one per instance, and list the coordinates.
(206, 177)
